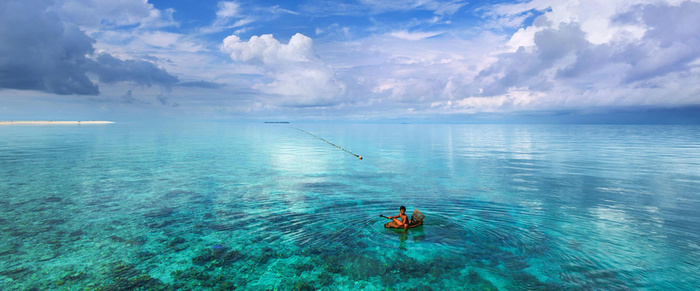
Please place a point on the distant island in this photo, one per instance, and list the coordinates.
(276, 121)
(55, 122)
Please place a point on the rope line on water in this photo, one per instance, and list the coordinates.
(328, 142)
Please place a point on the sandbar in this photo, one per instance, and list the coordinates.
(55, 122)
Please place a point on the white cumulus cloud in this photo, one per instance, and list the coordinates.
(268, 50)
(298, 76)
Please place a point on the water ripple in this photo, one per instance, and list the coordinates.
(508, 207)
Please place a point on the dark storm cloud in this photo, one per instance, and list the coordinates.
(38, 51)
(112, 70)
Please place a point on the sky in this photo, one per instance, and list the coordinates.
(539, 61)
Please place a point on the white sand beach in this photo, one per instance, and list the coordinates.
(54, 122)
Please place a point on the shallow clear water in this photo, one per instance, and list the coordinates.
(265, 206)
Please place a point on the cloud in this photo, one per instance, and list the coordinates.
(438, 7)
(167, 40)
(564, 61)
(297, 75)
(387, 71)
(569, 58)
(100, 13)
(228, 15)
(414, 35)
(164, 99)
(667, 46)
(539, 55)
(39, 51)
(530, 67)
(373, 7)
(227, 9)
(200, 84)
(267, 50)
(111, 70)
(128, 98)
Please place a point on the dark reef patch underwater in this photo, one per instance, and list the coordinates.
(252, 207)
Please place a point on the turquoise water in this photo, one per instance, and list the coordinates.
(265, 206)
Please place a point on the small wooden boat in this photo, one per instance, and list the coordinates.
(392, 224)
(416, 217)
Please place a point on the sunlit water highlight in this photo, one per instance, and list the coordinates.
(265, 206)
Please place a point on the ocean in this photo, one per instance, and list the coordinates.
(223, 206)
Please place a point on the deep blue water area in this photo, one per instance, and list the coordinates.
(210, 206)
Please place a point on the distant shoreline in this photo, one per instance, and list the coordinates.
(55, 122)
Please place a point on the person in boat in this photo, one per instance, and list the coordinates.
(401, 220)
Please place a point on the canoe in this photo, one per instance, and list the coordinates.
(392, 224)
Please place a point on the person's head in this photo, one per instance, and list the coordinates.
(402, 209)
